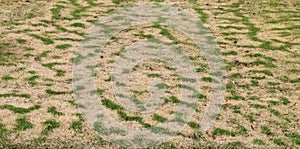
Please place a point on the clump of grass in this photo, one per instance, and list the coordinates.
(50, 125)
(80, 25)
(109, 104)
(279, 142)
(60, 73)
(284, 100)
(21, 41)
(193, 125)
(265, 130)
(220, 131)
(160, 85)
(235, 144)
(116, 1)
(159, 118)
(63, 46)
(22, 124)
(45, 40)
(294, 137)
(172, 99)
(53, 92)
(15, 95)
(20, 110)
(77, 126)
(258, 142)
(54, 112)
(154, 75)
(6, 78)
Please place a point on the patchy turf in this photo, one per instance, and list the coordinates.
(259, 40)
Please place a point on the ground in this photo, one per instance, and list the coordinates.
(259, 41)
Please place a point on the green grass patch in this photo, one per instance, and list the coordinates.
(6, 78)
(159, 118)
(265, 130)
(258, 142)
(45, 40)
(53, 92)
(21, 41)
(111, 105)
(54, 112)
(22, 124)
(294, 137)
(80, 25)
(220, 131)
(194, 125)
(20, 110)
(279, 142)
(172, 99)
(63, 46)
(76, 126)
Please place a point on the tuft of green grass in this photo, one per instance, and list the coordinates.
(234, 145)
(220, 131)
(294, 137)
(63, 46)
(6, 78)
(284, 100)
(21, 41)
(80, 25)
(157, 0)
(154, 75)
(111, 105)
(159, 118)
(22, 124)
(60, 73)
(53, 92)
(265, 130)
(15, 95)
(279, 142)
(20, 110)
(77, 126)
(116, 1)
(172, 99)
(50, 125)
(45, 40)
(193, 125)
(258, 142)
(54, 112)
